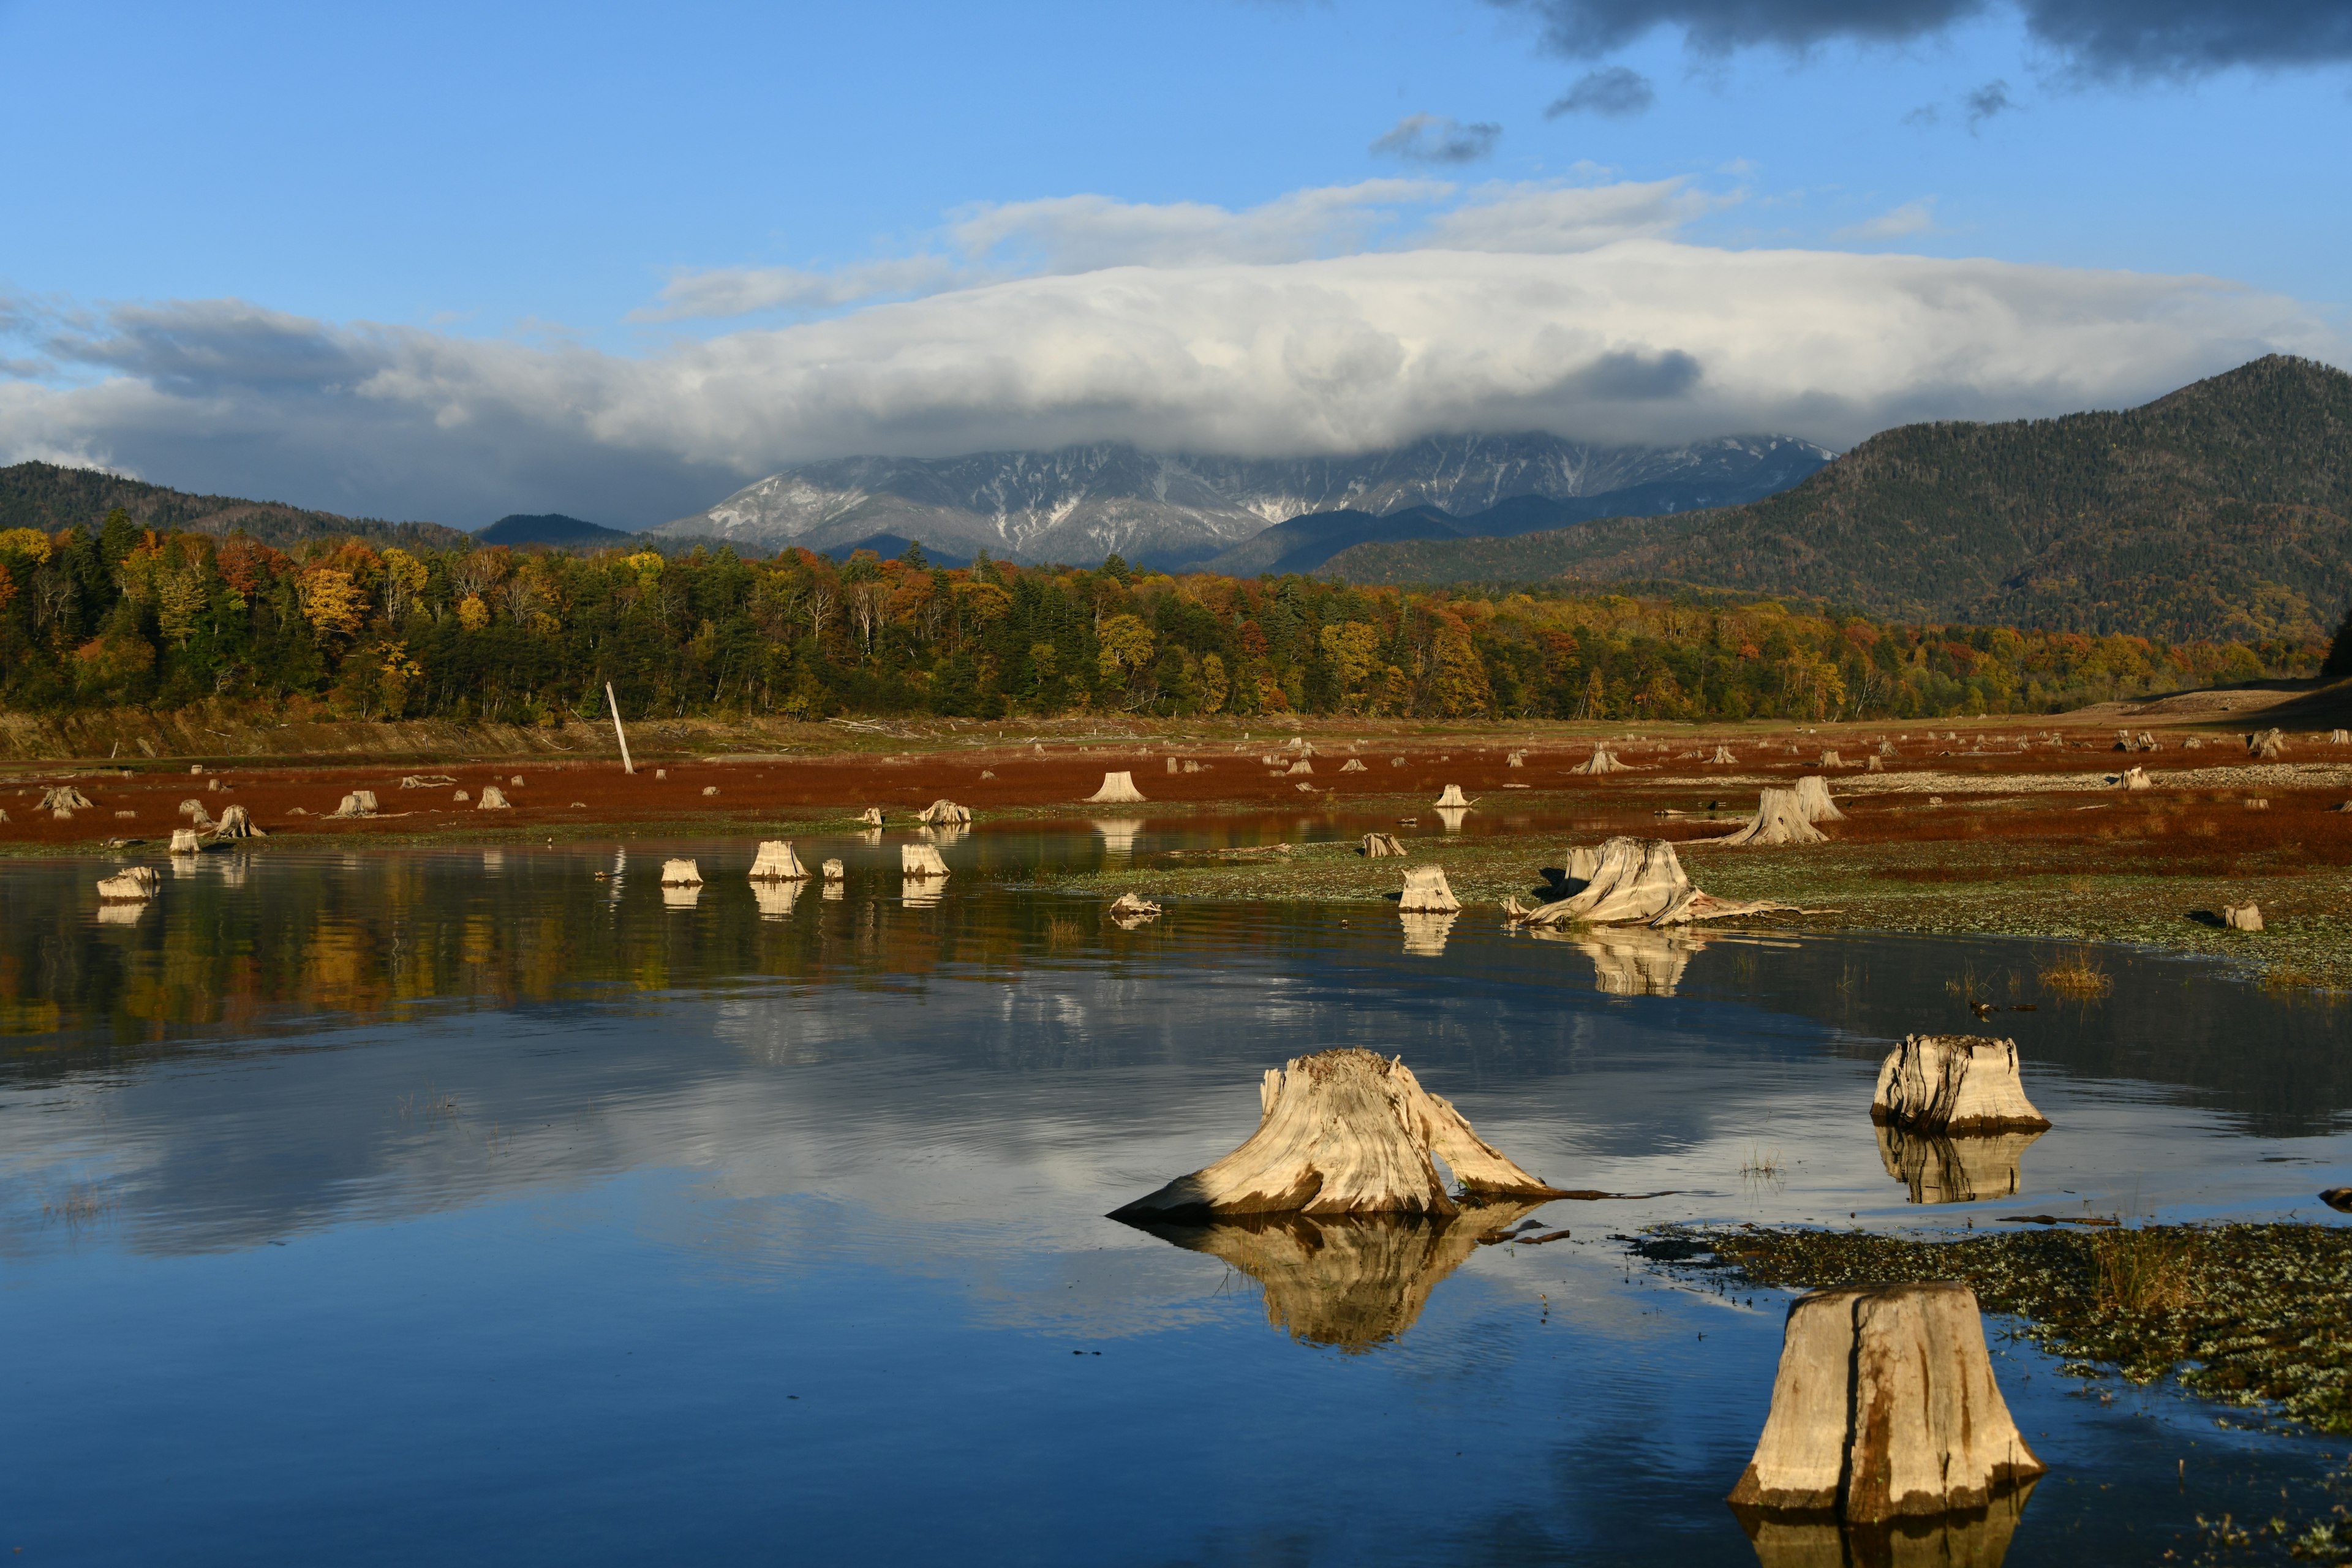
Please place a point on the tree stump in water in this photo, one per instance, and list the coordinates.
(1452, 796)
(1426, 893)
(1116, 788)
(184, 841)
(1343, 1132)
(681, 874)
(944, 813)
(1954, 1083)
(921, 860)
(132, 884)
(1131, 910)
(1885, 1405)
(835, 871)
(777, 863)
(871, 816)
(1780, 819)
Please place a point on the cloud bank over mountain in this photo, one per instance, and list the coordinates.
(1331, 321)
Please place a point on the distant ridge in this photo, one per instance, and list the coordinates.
(2221, 511)
(551, 528)
(48, 497)
(1179, 511)
(1306, 544)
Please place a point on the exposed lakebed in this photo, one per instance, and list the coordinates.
(360, 1204)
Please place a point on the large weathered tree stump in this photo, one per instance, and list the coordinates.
(776, 863)
(1953, 1084)
(1885, 1405)
(921, 860)
(1426, 892)
(1813, 800)
(1120, 787)
(1344, 1133)
(1453, 798)
(237, 823)
(1780, 819)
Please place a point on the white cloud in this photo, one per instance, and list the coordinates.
(1911, 217)
(1541, 218)
(719, 292)
(1193, 328)
(1085, 233)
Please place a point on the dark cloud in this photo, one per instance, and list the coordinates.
(2191, 38)
(1614, 91)
(2099, 38)
(1631, 377)
(1437, 139)
(1986, 102)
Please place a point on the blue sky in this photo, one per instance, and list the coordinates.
(451, 261)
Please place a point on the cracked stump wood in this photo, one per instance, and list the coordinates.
(1344, 1132)
(1885, 1405)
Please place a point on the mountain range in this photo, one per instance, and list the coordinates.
(2224, 510)
(1176, 511)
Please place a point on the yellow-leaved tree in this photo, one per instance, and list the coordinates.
(332, 602)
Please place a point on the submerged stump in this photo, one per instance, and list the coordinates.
(1344, 1133)
(921, 860)
(1885, 1405)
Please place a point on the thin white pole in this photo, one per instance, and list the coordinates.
(620, 734)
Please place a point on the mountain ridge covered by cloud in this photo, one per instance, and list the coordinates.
(1315, 324)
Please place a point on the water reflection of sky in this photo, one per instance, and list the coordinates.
(360, 1206)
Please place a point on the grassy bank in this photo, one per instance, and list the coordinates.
(2257, 1316)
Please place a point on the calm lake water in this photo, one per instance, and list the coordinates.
(465, 1207)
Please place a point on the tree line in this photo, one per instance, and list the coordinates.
(121, 615)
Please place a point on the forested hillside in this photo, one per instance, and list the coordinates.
(2223, 510)
(125, 615)
(46, 496)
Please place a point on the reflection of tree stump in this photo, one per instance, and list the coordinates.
(1966, 1537)
(1885, 1405)
(1348, 1280)
(1344, 1132)
(1940, 1170)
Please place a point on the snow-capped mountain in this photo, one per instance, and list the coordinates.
(1082, 503)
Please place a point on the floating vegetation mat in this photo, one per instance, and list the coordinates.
(2255, 1315)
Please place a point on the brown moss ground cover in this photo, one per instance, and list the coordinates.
(2251, 1315)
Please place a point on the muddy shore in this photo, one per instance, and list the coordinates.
(1988, 826)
